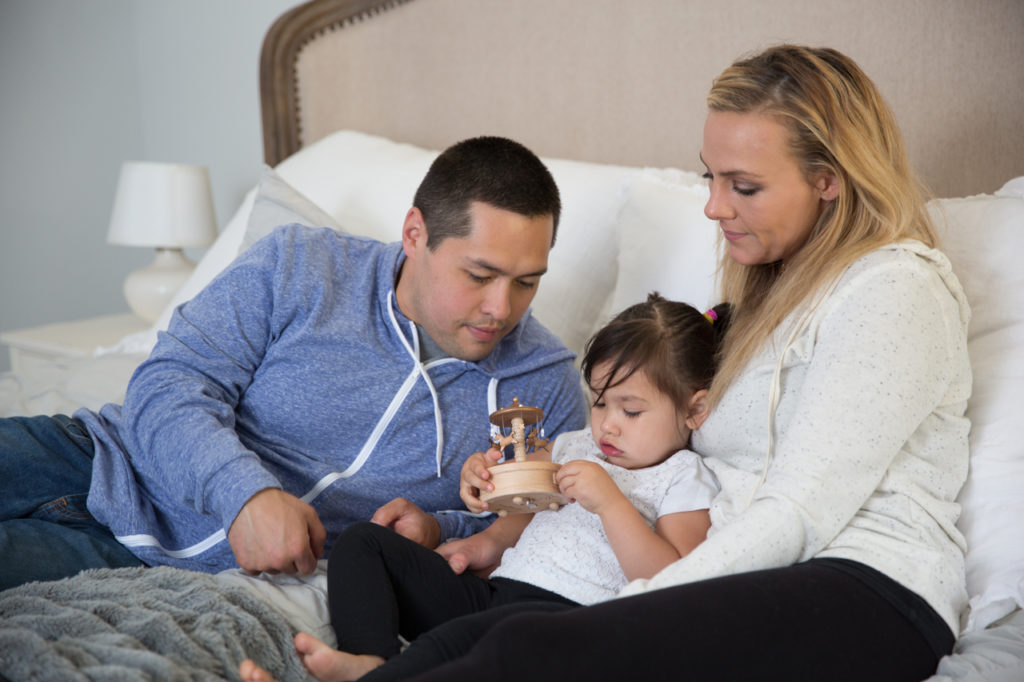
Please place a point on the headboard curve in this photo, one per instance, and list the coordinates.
(279, 86)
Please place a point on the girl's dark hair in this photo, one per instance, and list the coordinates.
(674, 344)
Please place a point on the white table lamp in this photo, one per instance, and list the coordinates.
(167, 206)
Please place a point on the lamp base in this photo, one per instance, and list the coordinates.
(149, 289)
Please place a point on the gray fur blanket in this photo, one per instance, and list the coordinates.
(140, 624)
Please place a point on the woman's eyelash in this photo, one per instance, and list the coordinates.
(742, 191)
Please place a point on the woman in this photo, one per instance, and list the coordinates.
(838, 431)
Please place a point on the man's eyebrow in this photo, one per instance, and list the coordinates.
(484, 265)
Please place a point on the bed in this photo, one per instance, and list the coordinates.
(358, 96)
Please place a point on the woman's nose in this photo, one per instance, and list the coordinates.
(718, 206)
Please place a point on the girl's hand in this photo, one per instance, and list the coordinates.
(589, 485)
(475, 478)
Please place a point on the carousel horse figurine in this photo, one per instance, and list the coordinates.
(521, 486)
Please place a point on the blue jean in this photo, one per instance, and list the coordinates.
(46, 532)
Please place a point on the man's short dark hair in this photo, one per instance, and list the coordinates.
(492, 170)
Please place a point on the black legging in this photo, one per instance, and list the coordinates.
(810, 621)
(380, 585)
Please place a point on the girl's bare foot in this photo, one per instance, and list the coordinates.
(322, 662)
(330, 665)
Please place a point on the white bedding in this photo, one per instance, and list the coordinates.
(302, 600)
(65, 385)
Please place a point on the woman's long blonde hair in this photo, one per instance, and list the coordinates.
(838, 123)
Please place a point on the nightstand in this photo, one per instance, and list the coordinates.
(30, 347)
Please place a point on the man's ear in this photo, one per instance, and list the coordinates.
(697, 410)
(414, 232)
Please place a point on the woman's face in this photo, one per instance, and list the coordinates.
(763, 202)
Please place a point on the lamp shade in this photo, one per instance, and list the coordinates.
(163, 205)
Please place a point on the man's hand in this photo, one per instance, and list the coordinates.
(405, 518)
(475, 478)
(278, 533)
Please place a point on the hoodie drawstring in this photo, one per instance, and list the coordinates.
(414, 353)
(774, 394)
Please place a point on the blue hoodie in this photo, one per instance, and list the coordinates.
(295, 369)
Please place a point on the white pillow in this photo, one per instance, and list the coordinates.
(278, 203)
(666, 243)
(582, 265)
(365, 182)
(984, 238)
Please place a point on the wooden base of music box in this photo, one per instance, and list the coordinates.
(523, 488)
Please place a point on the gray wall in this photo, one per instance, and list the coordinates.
(87, 85)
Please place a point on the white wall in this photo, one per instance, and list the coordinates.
(87, 85)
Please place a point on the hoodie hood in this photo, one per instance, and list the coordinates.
(945, 270)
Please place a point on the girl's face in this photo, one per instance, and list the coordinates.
(761, 199)
(634, 424)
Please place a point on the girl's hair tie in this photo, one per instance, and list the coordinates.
(711, 315)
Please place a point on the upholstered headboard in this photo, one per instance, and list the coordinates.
(619, 81)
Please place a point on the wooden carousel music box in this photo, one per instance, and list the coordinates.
(521, 486)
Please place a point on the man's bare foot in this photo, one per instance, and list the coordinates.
(250, 672)
(330, 665)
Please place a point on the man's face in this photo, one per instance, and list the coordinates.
(469, 292)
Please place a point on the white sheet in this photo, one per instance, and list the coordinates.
(995, 654)
(300, 599)
(63, 386)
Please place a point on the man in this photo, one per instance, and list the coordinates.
(316, 378)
